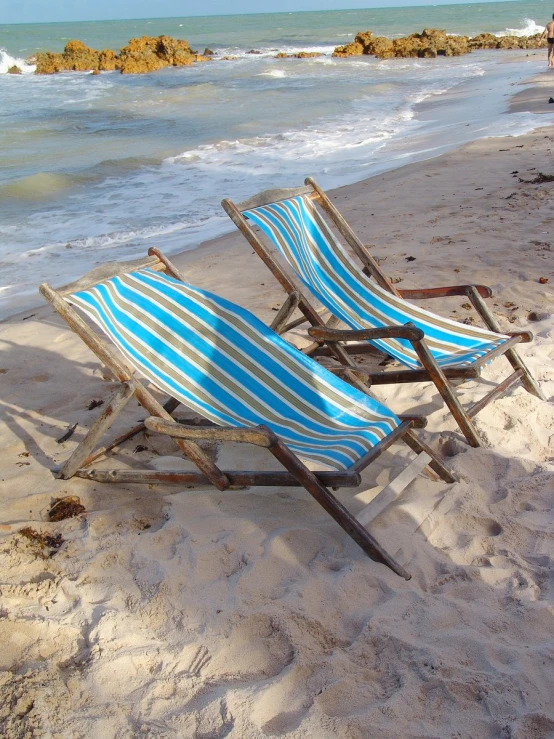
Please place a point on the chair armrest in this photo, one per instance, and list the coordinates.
(444, 292)
(258, 435)
(321, 333)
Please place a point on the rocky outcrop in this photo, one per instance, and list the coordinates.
(14, 70)
(141, 55)
(431, 43)
(298, 55)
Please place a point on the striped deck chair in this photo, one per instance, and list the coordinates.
(250, 385)
(430, 347)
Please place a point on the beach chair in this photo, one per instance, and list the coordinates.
(252, 387)
(430, 347)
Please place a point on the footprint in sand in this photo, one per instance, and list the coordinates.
(253, 648)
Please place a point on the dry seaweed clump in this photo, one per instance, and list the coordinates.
(141, 55)
(45, 545)
(432, 43)
(66, 507)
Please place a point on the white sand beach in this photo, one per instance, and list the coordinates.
(249, 614)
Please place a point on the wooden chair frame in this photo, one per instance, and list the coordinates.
(187, 436)
(343, 343)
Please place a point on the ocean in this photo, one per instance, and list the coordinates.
(95, 168)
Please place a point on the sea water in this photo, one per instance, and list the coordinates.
(94, 168)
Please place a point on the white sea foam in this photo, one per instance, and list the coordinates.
(7, 61)
(273, 73)
(529, 29)
(265, 52)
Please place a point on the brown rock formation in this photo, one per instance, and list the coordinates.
(299, 55)
(14, 70)
(107, 61)
(141, 55)
(431, 43)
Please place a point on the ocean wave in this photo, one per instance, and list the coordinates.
(265, 52)
(119, 238)
(273, 73)
(529, 29)
(7, 61)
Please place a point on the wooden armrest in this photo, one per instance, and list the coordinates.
(260, 436)
(418, 422)
(525, 336)
(444, 292)
(321, 333)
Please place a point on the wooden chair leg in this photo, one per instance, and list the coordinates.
(527, 379)
(97, 431)
(447, 392)
(435, 464)
(285, 312)
(342, 516)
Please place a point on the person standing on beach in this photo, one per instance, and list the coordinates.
(549, 33)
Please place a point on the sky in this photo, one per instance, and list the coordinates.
(51, 11)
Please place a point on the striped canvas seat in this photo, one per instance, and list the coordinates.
(227, 365)
(297, 229)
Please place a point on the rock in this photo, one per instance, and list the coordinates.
(208, 52)
(14, 70)
(483, 41)
(49, 63)
(382, 47)
(107, 61)
(253, 51)
(79, 58)
(141, 55)
(299, 55)
(431, 43)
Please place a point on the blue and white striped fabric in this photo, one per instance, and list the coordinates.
(227, 365)
(297, 229)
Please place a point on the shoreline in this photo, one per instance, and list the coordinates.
(248, 614)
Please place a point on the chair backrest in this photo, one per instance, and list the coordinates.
(298, 230)
(227, 365)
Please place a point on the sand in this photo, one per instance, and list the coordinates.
(249, 614)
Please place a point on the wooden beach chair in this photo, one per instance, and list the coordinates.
(250, 384)
(430, 347)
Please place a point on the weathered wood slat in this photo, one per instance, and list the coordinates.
(324, 333)
(495, 393)
(391, 492)
(527, 379)
(273, 196)
(107, 271)
(279, 323)
(256, 436)
(444, 292)
(97, 430)
(237, 478)
(498, 352)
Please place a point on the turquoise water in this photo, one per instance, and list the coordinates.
(102, 167)
(242, 32)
